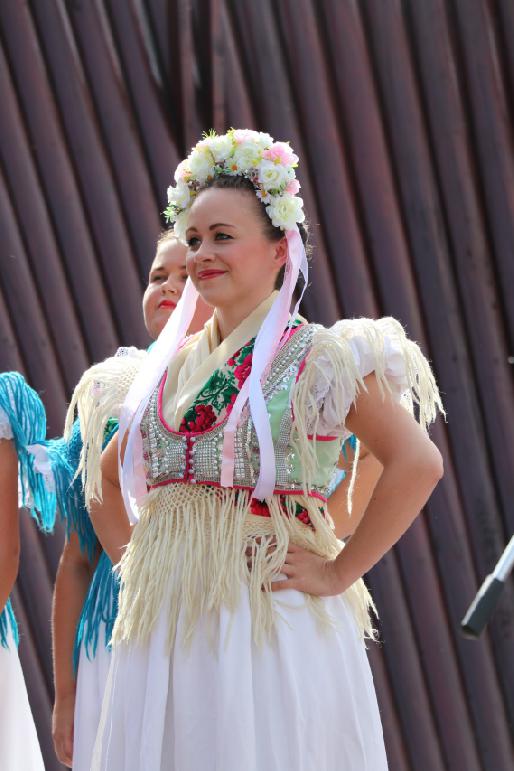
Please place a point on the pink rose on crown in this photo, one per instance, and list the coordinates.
(242, 371)
(280, 152)
(205, 417)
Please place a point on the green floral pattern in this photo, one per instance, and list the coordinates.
(216, 398)
(215, 401)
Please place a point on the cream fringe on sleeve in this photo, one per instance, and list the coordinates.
(98, 397)
(339, 360)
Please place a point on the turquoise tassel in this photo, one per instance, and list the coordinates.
(100, 607)
(8, 620)
(26, 415)
(339, 474)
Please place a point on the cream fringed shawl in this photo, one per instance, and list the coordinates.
(189, 551)
(205, 353)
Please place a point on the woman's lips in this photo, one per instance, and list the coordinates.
(167, 304)
(204, 274)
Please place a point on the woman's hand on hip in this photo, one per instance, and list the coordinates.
(309, 573)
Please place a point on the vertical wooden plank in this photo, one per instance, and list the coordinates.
(94, 172)
(119, 130)
(22, 300)
(40, 243)
(269, 88)
(493, 136)
(148, 103)
(57, 178)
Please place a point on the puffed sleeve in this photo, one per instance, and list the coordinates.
(98, 398)
(5, 426)
(343, 355)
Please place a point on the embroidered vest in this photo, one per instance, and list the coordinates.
(195, 456)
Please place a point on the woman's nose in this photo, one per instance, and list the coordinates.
(168, 286)
(203, 253)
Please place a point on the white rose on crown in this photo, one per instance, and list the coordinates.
(201, 164)
(285, 211)
(246, 156)
(273, 176)
(180, 225)
(182, 172)
(179, 196)
(220, 147)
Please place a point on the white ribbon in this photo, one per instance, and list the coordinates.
(266, 345)
(131, 470)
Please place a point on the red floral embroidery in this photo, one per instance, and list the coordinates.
(242, 371)
(205, 417)
(231, 403)
(258, 508)
(303, 517)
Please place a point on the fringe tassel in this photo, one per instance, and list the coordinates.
(194, 547)
(98, 397)
(8, 621)
(100, 610)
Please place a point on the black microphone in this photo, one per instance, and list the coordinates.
(482, 607)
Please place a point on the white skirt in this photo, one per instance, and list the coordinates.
(91, 680)
(304, 701)
(19, 746)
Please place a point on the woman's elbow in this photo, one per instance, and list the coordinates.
(435, 463)
(429, 464)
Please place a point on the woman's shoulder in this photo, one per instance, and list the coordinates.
(342, 355)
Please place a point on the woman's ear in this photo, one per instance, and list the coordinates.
(281, 252)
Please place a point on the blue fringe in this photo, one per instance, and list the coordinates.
(100, 607)
(70, 495)
(26, 415)
(350, 442)
(8, 619)
(339, 474)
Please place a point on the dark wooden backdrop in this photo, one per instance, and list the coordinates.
(402, 113)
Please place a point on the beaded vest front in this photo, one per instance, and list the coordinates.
(194, 457)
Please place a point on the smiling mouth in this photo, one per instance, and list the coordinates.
(167, 304)
(210, 274)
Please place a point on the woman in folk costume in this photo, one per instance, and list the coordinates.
(86, 589)
(26, 477)
(239, 642)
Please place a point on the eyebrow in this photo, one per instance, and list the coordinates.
(216, 225)
(162, 269)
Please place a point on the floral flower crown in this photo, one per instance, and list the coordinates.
(270, 167)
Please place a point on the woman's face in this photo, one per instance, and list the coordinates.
(166, 283)
(229, 258)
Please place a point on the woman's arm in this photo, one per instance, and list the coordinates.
(109, 517)
(412, 466)
(72, 583)
(9, 521)
(368, 473)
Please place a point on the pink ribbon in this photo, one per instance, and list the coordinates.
(268, 341)
(131, 470)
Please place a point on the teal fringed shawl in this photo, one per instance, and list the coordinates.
(27, 419)
(101, 604)
(8, 621)
(100, 607)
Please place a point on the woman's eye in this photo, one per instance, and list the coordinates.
(193, 241)
(158, 279)
(222, 236)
